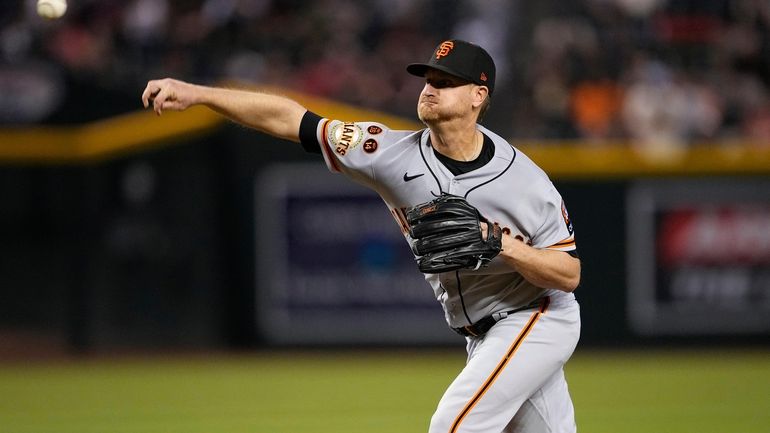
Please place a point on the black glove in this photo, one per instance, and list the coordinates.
(447, 235)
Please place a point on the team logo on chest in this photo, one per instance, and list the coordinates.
(345, 136)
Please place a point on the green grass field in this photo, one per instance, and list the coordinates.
(379, 391)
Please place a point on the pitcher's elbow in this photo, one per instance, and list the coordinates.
(572, 284)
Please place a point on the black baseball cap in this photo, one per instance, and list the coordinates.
(461, 59)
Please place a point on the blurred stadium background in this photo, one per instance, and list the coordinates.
(186, 274)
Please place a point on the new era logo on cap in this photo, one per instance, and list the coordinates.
(461, 59)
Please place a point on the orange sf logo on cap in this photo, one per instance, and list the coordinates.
(444, 49)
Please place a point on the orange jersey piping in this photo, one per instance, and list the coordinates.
(325, 147)
(565, 243)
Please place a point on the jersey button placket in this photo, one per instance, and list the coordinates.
(453, 186)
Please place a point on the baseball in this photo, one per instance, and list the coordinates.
(51, 9)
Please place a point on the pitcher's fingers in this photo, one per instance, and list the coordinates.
(149, 93)
(158, 100)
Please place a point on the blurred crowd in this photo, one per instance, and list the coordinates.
(662, 72)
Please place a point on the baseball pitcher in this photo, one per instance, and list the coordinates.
(487, 227)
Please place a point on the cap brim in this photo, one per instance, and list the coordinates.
(419, 69)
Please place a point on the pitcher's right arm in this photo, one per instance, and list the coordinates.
(272, 114)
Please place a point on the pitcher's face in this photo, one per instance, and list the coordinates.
(444, 97)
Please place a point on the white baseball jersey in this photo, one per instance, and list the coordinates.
(513, 380)
(510, 190)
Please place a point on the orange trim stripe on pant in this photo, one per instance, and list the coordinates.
(496, 373)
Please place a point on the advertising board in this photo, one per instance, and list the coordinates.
(698, 256)
(333, 266)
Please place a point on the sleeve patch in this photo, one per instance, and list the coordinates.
(370, 145)
(344, 137)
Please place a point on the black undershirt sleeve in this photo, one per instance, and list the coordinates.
(307, 132)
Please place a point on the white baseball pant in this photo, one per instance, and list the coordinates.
(514, 379)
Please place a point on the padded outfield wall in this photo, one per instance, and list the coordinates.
(188, 231)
